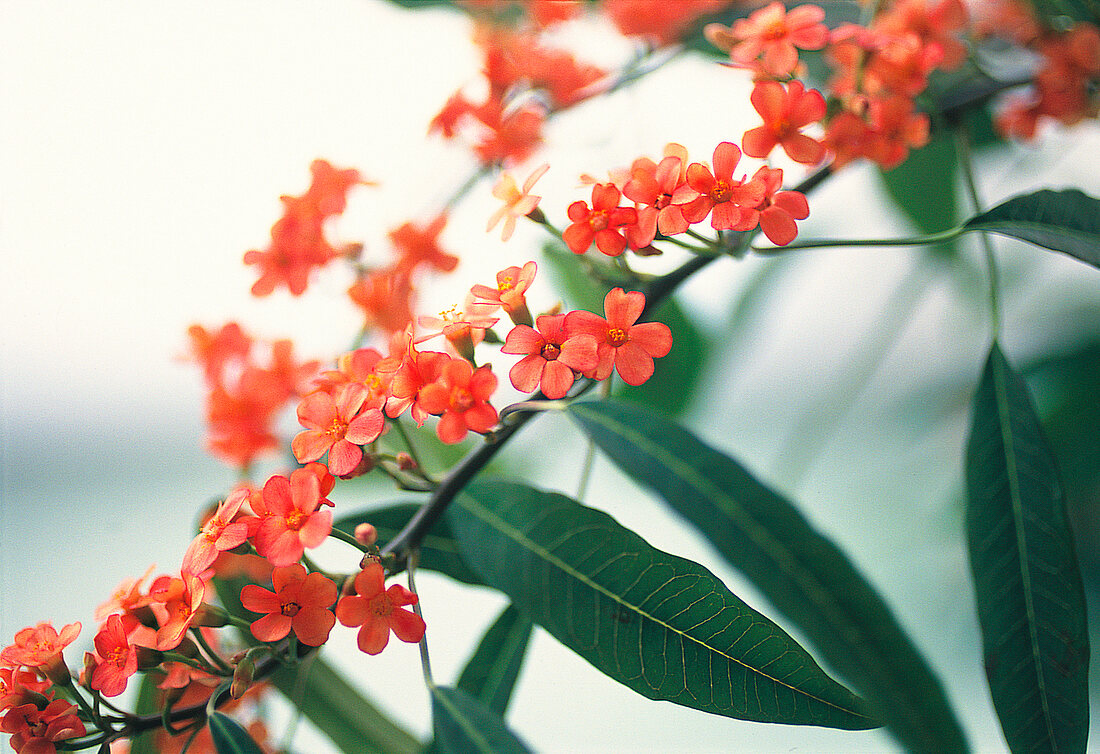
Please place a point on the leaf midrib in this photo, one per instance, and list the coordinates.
(517, 536)
(1000, 392)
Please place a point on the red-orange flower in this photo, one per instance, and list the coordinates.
(300, 603)
(731, 203)
(116, 659)
(659, 21)
(176, 603)
(604, 223)
(293, 522)
(460, 397)
(385, 296)
(785, 113)
(767, 39)
(419, 246)
(338, 425)
(622, 345)
(218, 533)
(552, 356)
(512, 284)
(39, 646)
(419, 368)
(780, 209)
(654, 184)
(18, 685)
(379, 610)
(35, 731)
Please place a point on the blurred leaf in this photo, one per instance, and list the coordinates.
(676, 375)
(148, 701)
(1066, 221)
(229, 736)
(464, 725)
(438, 551)
(1031, 602)
(803, 573)
(338, 710)
(659, 624)
(923, 187)
(490, 675)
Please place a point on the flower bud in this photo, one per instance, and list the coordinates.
(405, 462)
(210, 615)
(366, 534)
(242, 676)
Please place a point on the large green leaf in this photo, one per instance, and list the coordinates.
(465, 725)
(1031, 603)
(657, 623)
(1066, 221)
(229, 736)
(491, 673)
(438, 550)
(799, 570)
(148, 702)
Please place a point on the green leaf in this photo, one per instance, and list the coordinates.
(802, 572)
(923, 187)
(491, 673)
(676, 375)
(229, 736)
(438, 551)
(148, 700)
(1066, 221)
(464, 725)
(657, 623)
(1031, 602)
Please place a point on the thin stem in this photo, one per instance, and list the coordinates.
(425, 661)
(400, 428)
(819, 243)
(212, 655)
(343, 536)
(962, 147)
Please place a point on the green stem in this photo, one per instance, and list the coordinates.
(212, 655)
(343, 536)
(819, 243)
(966, 165)
(405, 438)
(425, 660)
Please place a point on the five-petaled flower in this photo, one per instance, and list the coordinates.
(293, 522)
(460, 397)
(379, 610)
(300, 602)
(604, 223)
(219, 533)
(517, 202)
(337, 424)
(116, 658)
(552, 356)
(622, 345)
(785, 113)
(730, 202)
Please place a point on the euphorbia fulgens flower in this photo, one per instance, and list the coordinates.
(116, 658)
(552, 355)
(176, 603)
(300, 602)
(379, 610)
(622, 345)
(218, 533)
(512, 284)
(35, 731)
(293, 522)
(517, 203)
(603, 223)
(337, 424)
(731, 203)
(766, 41)
(461, 399)
(780, 209)
(653, 185)
(785, 113)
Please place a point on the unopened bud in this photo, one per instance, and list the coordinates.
(57, 671)
(366, 534)
(365, 465)
(369, 558)
(242, 676)
(210, 615)
(148, 658)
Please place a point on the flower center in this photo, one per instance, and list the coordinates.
(506, 284)
(461, 400)
(597, 220)
(338, 428)
(116, 657)
(294, 520)
(663, 201)
(616, 336)
(775, 31)
(290, 609)
(381, 605)
(373, 383)
(550, 351)
(721, 192)
(451, 315)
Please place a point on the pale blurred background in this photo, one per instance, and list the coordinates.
(143, 150)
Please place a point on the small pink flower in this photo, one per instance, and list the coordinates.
(517, 203)
(604, 223)
(512, 285)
